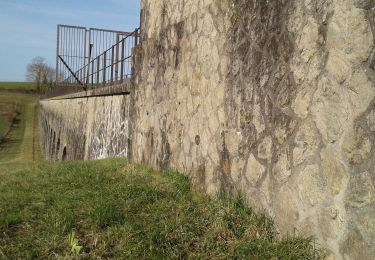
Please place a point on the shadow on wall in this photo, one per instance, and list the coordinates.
(64, 154)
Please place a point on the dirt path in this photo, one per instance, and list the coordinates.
(21, 144)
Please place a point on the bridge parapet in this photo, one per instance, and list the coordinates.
(71, 92)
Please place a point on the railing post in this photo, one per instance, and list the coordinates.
(117, 55)
(92, 73)
(104, 67)
(122, 60)
(97, 70)
(88, 66)
(136, 37)
(87, 33)
(112, 62)
(57, 54)
(86, 80)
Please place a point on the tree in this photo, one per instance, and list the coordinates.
(40, 73)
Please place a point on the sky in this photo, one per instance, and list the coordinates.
(28, 27)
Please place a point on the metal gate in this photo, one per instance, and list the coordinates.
(92, 56)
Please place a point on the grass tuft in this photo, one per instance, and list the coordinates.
(106, 214)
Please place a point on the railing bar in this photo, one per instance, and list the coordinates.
(70, 70)
(73, 56)
(104, 68)
(83, 61)
(97, 76)
(78, 59)
(75, 67)
(122, 59)
(109, 31)
(66, 48)
(92, 73)
(71, 26)
(112, 60)
(117, 56)
(57, 53)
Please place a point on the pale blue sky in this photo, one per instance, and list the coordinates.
(28, 27)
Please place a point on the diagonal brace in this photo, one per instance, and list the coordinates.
(74, 75)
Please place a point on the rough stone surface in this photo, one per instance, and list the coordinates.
(273, 98)
(85, 128)
(334, 171)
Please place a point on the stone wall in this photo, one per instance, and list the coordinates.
(85, 126)
(275, 99)
(180, 83)
(272, 98)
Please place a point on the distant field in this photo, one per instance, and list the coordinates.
(17, 86)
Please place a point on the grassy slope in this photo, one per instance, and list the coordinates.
(17, 86)
(119, 210)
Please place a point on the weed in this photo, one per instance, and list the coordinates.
(73, 243)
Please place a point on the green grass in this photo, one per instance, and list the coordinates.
(21, 147)
(120, 211)
(17, 86)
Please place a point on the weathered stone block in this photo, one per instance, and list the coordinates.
(356, 146)
(254, 171)
(333, 170)
(361, 190)
(310, 185)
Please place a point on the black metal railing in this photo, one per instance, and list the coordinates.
(114, 65)
(97, 66)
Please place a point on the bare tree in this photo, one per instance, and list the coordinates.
(39, 72)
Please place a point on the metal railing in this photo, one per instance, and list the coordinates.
(114, 65)
(93, 57)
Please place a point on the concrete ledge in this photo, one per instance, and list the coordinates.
(113, 90)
